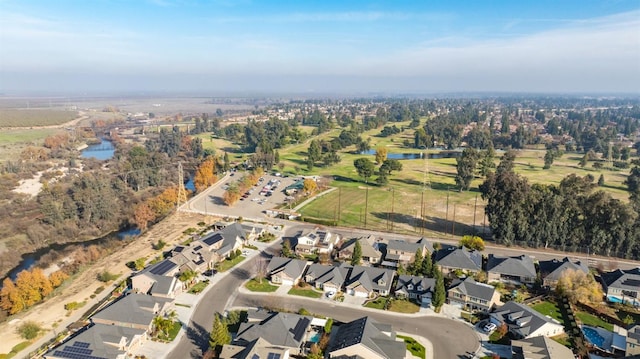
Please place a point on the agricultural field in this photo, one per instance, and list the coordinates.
(34, 117)
(13, 141)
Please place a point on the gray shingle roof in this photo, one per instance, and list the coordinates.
(404, 246)
(553, 269)
(133, 308)
(291, 267)
(326, 274)
(414, 282)
(529, 319)
(161, 268)
(366, 243)
(364, 331)
(623, 279)
(459, 258)
(474, 289)
(540, 348)
(164, 285)
(370, 278)
(521, 266)
(279, 329)
(96, 342)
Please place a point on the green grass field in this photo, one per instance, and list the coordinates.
(255, 286)
(403, 306)
(413, 346)
(550, 309)
(229, 263)
(34, 118)
(593, 321)
(305, 292)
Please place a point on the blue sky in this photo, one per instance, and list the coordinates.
(324, 46)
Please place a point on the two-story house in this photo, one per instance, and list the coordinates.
(370, 246)
(419, 289)
(622, 286)
(472, 296)
(366, 282)
(286, 271)
(329, 278)
(525, 322)
(404, 252)
(316, 241)
(100, 341)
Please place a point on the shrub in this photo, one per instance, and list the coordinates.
(28, 330)
(107, 276)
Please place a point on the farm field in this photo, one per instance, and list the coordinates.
(34, 117)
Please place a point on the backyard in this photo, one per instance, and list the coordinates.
(592, 320)
(549, 308)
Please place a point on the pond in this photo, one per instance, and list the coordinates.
(415, 156)
(100, 151)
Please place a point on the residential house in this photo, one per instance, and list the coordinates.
(453, 259)
(194, 257)
(316, 241)
(472, 296)
(326, 277)
(518, 270)
(622, 286)
(284, 330)
(286, 271)
(365, 338)
(633, 340)
(258, 348)
(100, 341)
(370, 250)
(366, 282)
(222, 242)
(525, 322)
(420, 289)
(403, 252)
(133, 311)
(158, 275)
(540, 347)
(552, 270)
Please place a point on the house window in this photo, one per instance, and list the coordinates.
(410, 286)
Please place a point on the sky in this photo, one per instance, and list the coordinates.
(341, 47)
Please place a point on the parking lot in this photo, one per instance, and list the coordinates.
(267, 194)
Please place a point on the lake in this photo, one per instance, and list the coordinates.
(100, 151)
(415, 156)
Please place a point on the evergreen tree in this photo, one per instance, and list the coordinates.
(439, 294)
(219, 333)
(601, 180)
(356, 256)
(416, 266)
(286, 249)
(427, 266)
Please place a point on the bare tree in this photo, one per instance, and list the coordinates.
(261, 269)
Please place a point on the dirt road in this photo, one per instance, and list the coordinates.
(51, 314)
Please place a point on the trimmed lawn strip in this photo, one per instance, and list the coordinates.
(403, 306)
(550, 309)
(254, 286)
(593, 321)
(173, 332)
(413, 346)
(198, 287)
(376, 304)
(305, 292)
(229, 263)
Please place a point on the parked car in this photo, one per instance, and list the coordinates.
(490, 327)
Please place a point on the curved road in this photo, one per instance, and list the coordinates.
(450, 339)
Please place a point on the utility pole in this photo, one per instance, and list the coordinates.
(366, 206)
(446, 216)
(422, 213)
(339, 201)
(393, 200)
(453, 223)
(475, 207)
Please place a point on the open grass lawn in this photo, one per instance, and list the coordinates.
(228, 263)
(34, 118)
(593, 321)
(198, 287)
(173, 332)
(550, 309)
(413, 346)
(403, 306)
(254, 286)
(305, 292)
(220, 145)
(376, 304)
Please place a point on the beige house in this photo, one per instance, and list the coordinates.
(286, 271)
(133, 311)
(316, 241)
(470, 295)
(370, 252)
(101, 341)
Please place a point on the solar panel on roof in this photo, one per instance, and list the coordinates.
(300, 328)
(81, 344)
(162, 267)
(213, 239)
(273, 356)
(632, 282)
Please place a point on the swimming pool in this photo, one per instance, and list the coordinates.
(315, 337)
(593, 337)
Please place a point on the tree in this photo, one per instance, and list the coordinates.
(416, 267)
(187, 276)
(142, 215)
(10, 298)
(472, 242)
(439, 294)
(356, 256)
(579, 286)
(466, 167)
(219, 333)
(633, 186)
(601, 180)
(233, 317)
(427, 266)
(309, 186)
(328, 325)
(381, 154)
(205, 175)
(549, 156)
(487, 163)
(286, 249)
(365, 168)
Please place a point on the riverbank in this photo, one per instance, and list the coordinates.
(50, 314)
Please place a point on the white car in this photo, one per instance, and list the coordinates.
(490, 327)
(330, 294)
(245, 253)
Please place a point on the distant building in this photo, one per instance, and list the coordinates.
(327, 278)
(316, 242)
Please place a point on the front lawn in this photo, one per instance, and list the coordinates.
(305, 292)
(403, 306)
(228, 263)
(593, 321)
(255, 286)
(413, 346)
(199, 287)
(172, 332)
(379, 303)
(550, 309)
